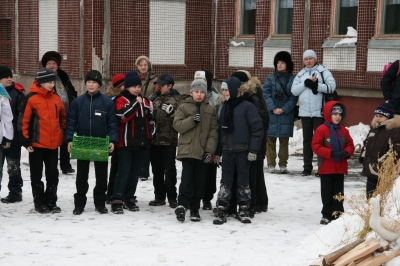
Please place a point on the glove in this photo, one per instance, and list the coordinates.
(207, 157)
(252, 156)
(312, 85)
(341, 154)
(197, 118)
(168, 108)
(217, 160)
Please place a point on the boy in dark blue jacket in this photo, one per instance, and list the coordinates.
(241, 133)
(92, 114)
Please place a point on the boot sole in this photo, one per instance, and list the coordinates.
(8, 202)
(118, 212)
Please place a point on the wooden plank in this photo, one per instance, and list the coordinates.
(379, 260)
(317, 262)
(331, 257)
(364, 258)
(358, 252)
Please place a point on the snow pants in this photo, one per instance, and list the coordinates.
(331, 185)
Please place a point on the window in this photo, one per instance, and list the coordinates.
(284, 17)
(247, 17)
(5, 42)
(346, 16)
(390, 21)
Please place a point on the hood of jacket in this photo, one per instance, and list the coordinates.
(40, 90)
(328, 108)
(249, 87)
(389, 124)
(112, 92)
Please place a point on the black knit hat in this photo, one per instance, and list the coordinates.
(242, 76)
(132, 79)
(5, 72)
(285, 57)
(165, 79)
(95, 76)
(51, 55)
(45, 75)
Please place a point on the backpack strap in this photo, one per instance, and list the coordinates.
(281, 84)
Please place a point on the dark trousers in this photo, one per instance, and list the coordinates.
(15, 182)
(65, 157)
(230, 162)
(193, 181)
(259, 196)
(211, 183)
(144, 170)
(164, 171)
(331, 185)
(82, 185)
(50, 160)
(113, 173)
(309, 125)
(372, 182)
(129, 164)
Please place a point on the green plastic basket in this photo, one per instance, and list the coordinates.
(90, 148)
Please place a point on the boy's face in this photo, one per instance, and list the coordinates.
(336, 118)
(198, 95)
(143, 67)
(134, 90)
(226, 94)
(166, 88)
(92, 86)
(380, 118)
(52, 65)
(48, 85)
(7, 81)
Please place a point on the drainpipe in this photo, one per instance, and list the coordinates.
(106, 41)
(16, 18)
(81, 48)
(215, 36)
(306, 24)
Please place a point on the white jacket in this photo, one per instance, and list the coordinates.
(310, 104)
(6, 117)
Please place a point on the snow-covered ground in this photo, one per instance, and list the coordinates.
(288, 234)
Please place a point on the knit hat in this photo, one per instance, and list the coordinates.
(337, 109)
(385, 109)
(51, 55)
(132, 79)
(200, 75)
(308, 53)
(233, 86)
(198, 84)
(242, 75)
(5, 72)
(118, 80)
(224, 86)
(95, 76)
(285, 57)
(165, 79)
(45, 75)
(143, 57)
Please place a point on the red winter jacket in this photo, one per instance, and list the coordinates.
(321, 144)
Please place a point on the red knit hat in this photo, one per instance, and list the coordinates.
(118, 80)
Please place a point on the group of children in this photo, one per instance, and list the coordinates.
(202, 128)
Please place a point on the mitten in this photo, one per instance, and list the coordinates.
(197, 118)
(341, 154)
(312, 85)
(252, 156)
(207, 157)
(168, 108)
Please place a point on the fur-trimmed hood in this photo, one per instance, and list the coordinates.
(112, 92)
(250, 86)
(390, 124)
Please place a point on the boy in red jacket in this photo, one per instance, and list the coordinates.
(333, 145)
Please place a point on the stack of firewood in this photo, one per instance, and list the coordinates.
(358, 253)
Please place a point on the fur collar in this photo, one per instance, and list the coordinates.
(250, 86)
(111, 91)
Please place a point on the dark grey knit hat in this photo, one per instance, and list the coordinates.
(45, 75)
(95, 76)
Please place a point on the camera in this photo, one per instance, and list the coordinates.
(279, 95)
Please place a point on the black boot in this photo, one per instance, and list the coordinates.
(220, 215)
(42, 209)
(78, 210)
(11, 199)
(180, 212)
(131, 206)
(53, 208)
(194, 215)
(244, 216)
(207, 205)
(157, 202)
(101, 209)
(116, 207)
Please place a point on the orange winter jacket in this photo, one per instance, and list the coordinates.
(42, 121)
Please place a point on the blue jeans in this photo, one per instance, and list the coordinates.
(129, 164)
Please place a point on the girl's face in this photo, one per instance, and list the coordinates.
(309, 61)
(380, 118)
(143, 66)
(226, 94)
(281, 66)
(135, 90)
(121, 88)
(48, 85)
(198, 95)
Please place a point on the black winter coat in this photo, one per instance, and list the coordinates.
(392, 92)
(69, 88)
(16, 92)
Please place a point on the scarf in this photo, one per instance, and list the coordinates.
(335, 141)
(3, 92)
(227, 110)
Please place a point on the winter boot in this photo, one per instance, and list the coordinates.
(42, 209)
(244, 216)
(129, 205)
(78, 210)
(180, 212)
(173, 203)
(157, 202)
(220, 215)
(194, 216)
(101, 209)
(11, 199)
(116, 207)
(53, 208)
(325, 221)
(207, 205)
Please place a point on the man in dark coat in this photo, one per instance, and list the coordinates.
(390, 85)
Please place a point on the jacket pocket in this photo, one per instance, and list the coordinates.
(184, 146)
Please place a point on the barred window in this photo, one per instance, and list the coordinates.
(284, 17)
(247, 17)
(390, 19)
(346, 16)
(5, 42)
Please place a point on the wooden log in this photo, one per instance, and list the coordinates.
(358, 252)
(363, 258)
(352, 264)
(379, 260)
(331, 257)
